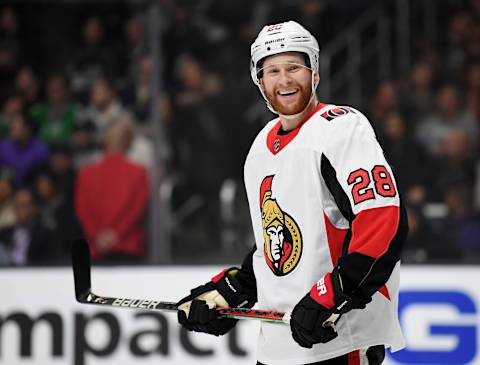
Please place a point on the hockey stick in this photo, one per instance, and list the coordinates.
(84, 294)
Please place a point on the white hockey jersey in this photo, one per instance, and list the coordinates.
(323, 195)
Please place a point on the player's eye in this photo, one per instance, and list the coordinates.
(273, 71)
(293, 68)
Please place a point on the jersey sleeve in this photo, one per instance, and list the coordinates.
(363, 188)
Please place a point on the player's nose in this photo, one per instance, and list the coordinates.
(285, 78)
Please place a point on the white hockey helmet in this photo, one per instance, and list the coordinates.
(279, 38)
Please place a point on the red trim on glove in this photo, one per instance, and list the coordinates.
(322, 292)
(219, 276)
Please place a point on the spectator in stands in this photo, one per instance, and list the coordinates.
(56, 210)
(141, 148)
(418, 98)
(62, 168)
(111, 199)
(9, 27)
(26, 84)
(455, 164)
(27, 242)
(472, 90)
(138, 94)
(7, 189)
(420, 238)
(385, 101)
(22, 151)
(85, 149)
(197, 128)
(407, 156)
(138, 99)
(463, 223)
(453, 56)
(472, 48)
(137, 45)
(196, 84)
(9, 50)
(92, 60)
(454, 234)
(104, 107)
(433, 131)
(185, 34)
(14, 104)
(474, 9)
(56, 118)
(200, 137)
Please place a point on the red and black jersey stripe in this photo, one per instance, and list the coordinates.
(373, 244)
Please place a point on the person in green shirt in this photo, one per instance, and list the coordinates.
(56, 118)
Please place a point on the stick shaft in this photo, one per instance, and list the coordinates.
(83, 293)
(155, 305)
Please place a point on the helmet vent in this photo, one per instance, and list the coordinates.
(300, 39)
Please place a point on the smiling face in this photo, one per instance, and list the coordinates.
(287, 82)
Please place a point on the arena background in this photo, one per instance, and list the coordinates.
(171, 78)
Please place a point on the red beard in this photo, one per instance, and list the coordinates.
(292, 108)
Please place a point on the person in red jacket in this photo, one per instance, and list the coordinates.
(111, 199)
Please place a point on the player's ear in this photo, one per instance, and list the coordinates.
(316, 77)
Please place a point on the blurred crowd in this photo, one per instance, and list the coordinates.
(77, 138)
(429, 124)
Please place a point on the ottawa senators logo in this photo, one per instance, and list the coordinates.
(282, 237)
(337, 112)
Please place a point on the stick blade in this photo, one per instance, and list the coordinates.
(81, 269)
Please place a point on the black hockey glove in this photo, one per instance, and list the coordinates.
(197, 311)
(314, 317)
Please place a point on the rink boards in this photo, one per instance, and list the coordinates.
(40, 323)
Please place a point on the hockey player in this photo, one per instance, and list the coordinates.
(327, 217)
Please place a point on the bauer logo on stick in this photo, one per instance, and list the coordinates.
(282, 237)
(135, 303)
